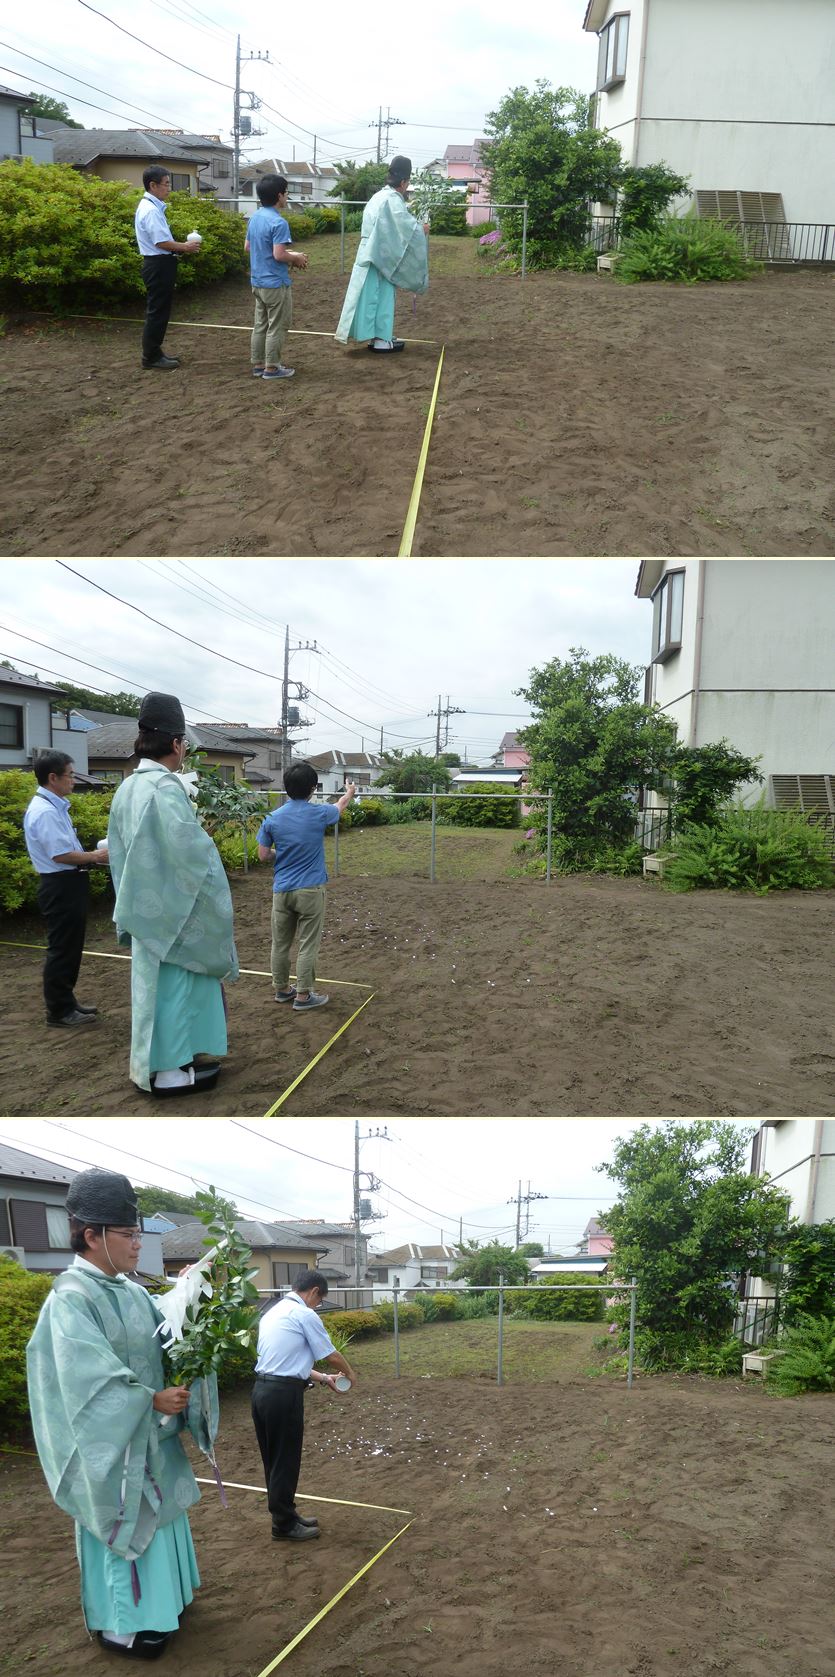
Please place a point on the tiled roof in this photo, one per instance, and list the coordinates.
(83, 145)
(14, 679)
(346, 760)
(187, 1240)
(115, 738)
(15, 1163)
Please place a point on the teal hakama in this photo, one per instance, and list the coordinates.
(174, 909)
(391, 256)
(112, 1461)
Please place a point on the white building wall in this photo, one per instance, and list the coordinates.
(737, 95)
(788, 1150)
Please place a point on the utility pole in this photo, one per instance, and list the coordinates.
(451, 710)
(390, 122)
(303, 646)
(243, 126)
(381, 1135)
(521, 1199)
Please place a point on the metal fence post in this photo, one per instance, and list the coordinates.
(550, 836)
(246, 858)
(396, 1339)
(432, 849)
(524, 235)
(633, 1283)
(342, 234)
(500, 1371)
(336, 850)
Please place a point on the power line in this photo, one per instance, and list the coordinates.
(70, 77)
(87, 7)
(288, 1149)
(87, 665)
(51, 88)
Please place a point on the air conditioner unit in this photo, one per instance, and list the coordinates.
(15, 1252)
(40, 751)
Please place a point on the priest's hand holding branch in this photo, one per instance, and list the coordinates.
(172, 1400)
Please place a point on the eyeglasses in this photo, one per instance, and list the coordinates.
(128, 1234)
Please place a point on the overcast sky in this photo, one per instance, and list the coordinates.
(392, 635)
(440, 69)
(433, 1171)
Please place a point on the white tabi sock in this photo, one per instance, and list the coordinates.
(176, 1079)
(119, 1641)
(382, 343)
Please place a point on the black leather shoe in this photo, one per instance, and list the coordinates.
(79, 1016)
(93, 1012)
(299, 1521)
(147, 1645)
(296, 1533)
(163, 364)
(205, 1078)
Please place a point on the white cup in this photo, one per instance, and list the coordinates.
(342, 1383)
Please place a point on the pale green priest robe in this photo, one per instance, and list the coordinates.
(174, 909)
(113, 1462)
(391, 256)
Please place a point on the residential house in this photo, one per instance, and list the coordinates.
(339, 1264)
(583, 1264)
(21, 133)
(464, 164)
(215, 161)
(307, 183)
(738, 101)
(742, 650)
(121, 154)
(30, 725)
(263, 768)
(278, 1254)
(414, 1270)
(512, 779)
(798, 1156)
(334, 768)
(34, 1227)
(511, 755)
(595, 1241)
(111, 755)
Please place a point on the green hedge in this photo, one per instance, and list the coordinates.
(685, 250)
(752, 849)
(67, 239)
(18, 879)
(546, 1305)
(22, 1293)
(475, 809)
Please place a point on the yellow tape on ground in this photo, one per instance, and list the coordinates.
(405, 548)
(248, 972)
(322, 1051)
(306, 1496)
(206, 326)
(332, 1603)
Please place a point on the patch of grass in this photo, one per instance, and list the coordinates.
(533, 1351)
(484, 853)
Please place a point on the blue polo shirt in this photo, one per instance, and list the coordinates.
(267, 227)
(298, 832)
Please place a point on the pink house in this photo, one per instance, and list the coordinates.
(511, 755)
(463, 163)
(596, 1242)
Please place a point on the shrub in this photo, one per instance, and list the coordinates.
(356, 1323)
(439, 1307)
(301, 226)
(18, 879)
(408, 1315)
(644, 191)
(582, 260)
(369, 812)
(807, 1359)
(480, 229)
(67, 239)
(588, 855)
(685, 250)
(687, 1352)
(476, 807)
(230, 847)
(546, 1305)
(21, 1295)
(353, 221)
(754, 849)
(324, 217)
(807, 1282)
(236, 1367)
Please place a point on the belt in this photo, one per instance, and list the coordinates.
(285, 1379)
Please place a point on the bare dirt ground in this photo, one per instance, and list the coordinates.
(576, 416)
(591, 996)
(685, 1527)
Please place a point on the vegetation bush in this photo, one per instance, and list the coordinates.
(477, 807)
(357, 1323)
(368, 812)
(18, 879)
(807, 1282)
(592, 856)
(473, 1307)
(687, 1352)
(807, 1357)
(546, 1305)
(479, 229)
(753, 849)
(684, 250)
(644, 191)
(301, 226)
(230, 847)
(324, 217)
(706, 777)
(403, 810)
(408, 1315)
(353, 221)
(21, 1295)
(67, 239)
(236, 1367)
(439, 1307)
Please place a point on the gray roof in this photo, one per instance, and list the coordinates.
(346, 760)
(18, 98)
(83, 145)
(15, 1163)
(187, 1240)
(115, 738)
(14, 679)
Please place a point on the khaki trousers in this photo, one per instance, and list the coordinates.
(273, 319)
(301, 912)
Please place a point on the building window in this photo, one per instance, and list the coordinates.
(57, 1228)
(225, 773)
(11, 727)
(274, 760)
(284, 1274)
(667, 612)
(220, 168)
(611, 61)
(27, 127)
(180, 183)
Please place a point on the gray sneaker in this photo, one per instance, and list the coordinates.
(279, 372)
(315, 999)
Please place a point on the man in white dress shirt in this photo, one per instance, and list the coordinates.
(291, 1339)
(57, 857)
(159, 251)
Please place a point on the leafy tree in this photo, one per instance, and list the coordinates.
(807, 1282)
(689, 1218)
(153, 1199)
(644, 192)
(593, 743)
(482, 1266)
(83, 698)
(532, 1249)
(438, 200)
(414, 771)
(540, 150)
(450, 759)
(358, 180)
(705, 776)
(22, 1293)
(223, 803)
(54, 109)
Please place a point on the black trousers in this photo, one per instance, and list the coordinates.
(278, 1417)
(160, 276)
(62, 900)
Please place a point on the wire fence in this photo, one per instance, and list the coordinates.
(776, 243)
(399, 1295)
(757, 1320)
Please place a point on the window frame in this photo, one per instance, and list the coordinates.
(178, 176)
(618, 24)
(18, 717)
(667, 647)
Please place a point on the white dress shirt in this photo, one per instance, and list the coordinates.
(291, 1339)
(151, 224)
(49, 832)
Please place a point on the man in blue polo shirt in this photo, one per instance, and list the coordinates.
(291, 1338)
(159, 251)
(270, 260)
(296, 833)
(58, 859)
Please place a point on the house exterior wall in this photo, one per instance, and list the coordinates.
(130, 169)
(37, 724)
(71, 740)
(38, 147)
(788, 1151)
(766, 677)
(10, 145)
(735, 96)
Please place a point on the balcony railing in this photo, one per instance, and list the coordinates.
(777, 243)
